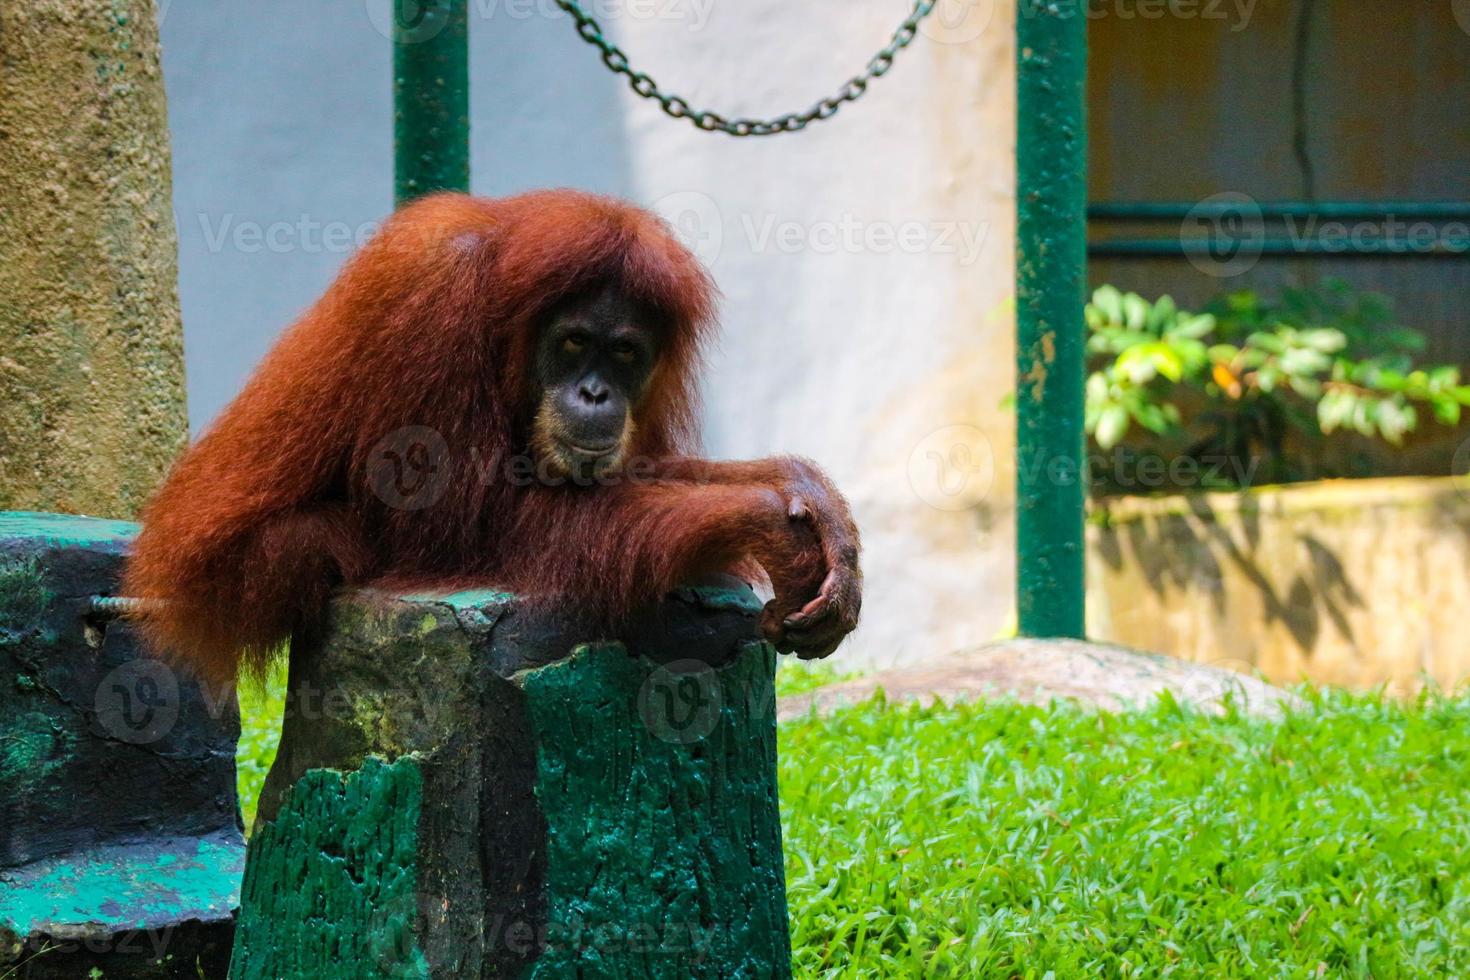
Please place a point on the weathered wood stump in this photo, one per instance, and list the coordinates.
(120, 844)
(465, 788)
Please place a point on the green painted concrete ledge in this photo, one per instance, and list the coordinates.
(120, 841)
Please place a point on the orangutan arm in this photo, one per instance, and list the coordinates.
(811, 497)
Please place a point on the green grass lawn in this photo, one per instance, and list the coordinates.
(999, 840)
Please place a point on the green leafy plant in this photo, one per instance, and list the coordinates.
(1246, 376)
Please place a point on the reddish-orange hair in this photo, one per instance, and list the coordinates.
(432, 324)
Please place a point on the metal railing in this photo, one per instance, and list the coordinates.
(1051, 283)
(1440, 229)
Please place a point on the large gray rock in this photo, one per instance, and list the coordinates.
(1039, 671)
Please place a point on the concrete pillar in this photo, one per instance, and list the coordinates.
(91, 348)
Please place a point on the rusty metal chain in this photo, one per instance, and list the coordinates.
(713, 122)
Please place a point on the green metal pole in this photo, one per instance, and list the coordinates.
(431, 97)
(1051, 282)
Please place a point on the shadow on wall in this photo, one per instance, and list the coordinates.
(1347, 582)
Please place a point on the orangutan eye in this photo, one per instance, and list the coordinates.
(625, 353)
(574, 343)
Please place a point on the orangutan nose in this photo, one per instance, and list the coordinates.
(593, 391)
(593, 414)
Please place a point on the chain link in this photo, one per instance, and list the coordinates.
(712, 122)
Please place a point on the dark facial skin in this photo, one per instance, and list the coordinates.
(593, 361)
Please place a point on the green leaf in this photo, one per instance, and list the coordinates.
(1365, 415)
(1193, 327)
(1151, 416)
(1324, 339)
(1142, 363)
(1307, 387)
(1253, 357)
(1137, 365)
(1166, 360)
(1270, 342)
(1131, 338)
(1112, 425)
(1162, 314)
(1242, 301)
(1135, 311)
(1444, 375)
(1110, 302)
(1334, 410)
(1192, 354)
(1394, 419)
(1401, 339)
(1304, 360)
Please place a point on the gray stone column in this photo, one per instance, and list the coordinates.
(91, 347)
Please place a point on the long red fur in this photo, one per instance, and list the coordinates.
(433, 324)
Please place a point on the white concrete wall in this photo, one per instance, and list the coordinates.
(866, 264)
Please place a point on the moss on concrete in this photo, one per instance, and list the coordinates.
(23, 596)
(91, 347)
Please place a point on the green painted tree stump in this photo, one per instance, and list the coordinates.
(467, 789)
(120, 843)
